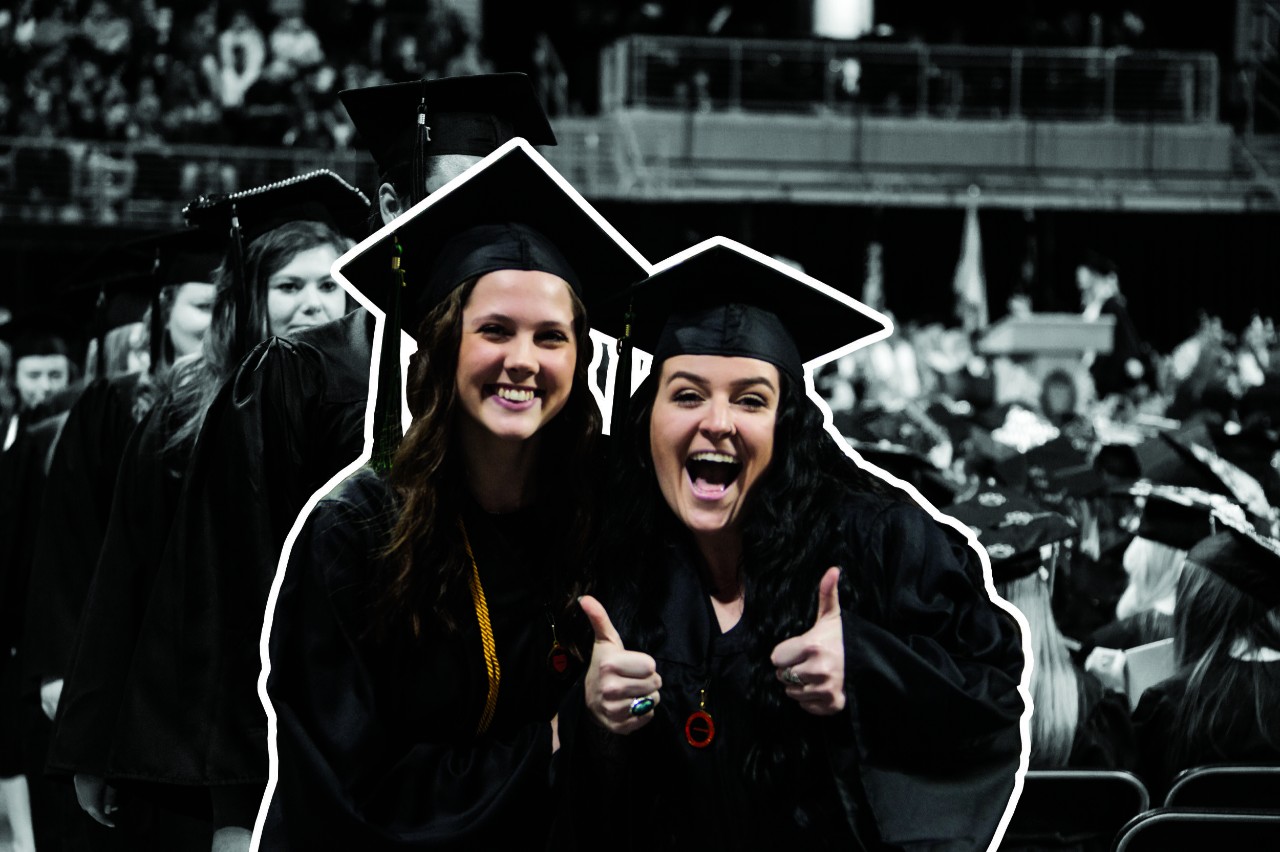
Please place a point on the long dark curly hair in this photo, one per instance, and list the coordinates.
(789, 536)
(425, 566)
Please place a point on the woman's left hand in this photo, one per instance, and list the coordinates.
(812, 664)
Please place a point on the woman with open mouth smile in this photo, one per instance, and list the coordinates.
(789, 653)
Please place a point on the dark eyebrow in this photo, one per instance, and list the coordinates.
(737, 385)
(503, 318)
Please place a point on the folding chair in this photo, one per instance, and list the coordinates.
(1226, 786)
(1164, 829)
(1080, 809)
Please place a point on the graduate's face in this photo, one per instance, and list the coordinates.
(38, 377)
(711, 435)
(301, 293)
(189, 317)
(518, 352)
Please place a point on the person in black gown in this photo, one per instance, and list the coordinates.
(168, 272)
(1220, 706)
(292, 416)
(1077, 723)
(113, 719)
(423, 635)
(1172, 519)
(802, 657)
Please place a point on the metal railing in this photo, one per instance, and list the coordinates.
(146, 186)
(909, 79)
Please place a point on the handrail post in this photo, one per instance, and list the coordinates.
(735, 74)
(1109, 87)
(922, 81)
(1015, 84)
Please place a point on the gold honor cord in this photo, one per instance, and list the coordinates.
(492, 670)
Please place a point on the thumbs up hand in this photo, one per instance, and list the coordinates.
(621, 686)
(812, 664)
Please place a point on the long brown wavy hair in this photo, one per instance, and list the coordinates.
(425, 566)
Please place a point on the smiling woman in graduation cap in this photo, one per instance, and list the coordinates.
(423, 633)
(798, 653)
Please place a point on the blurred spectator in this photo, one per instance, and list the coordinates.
(106, 30)
(296, 44)
(241, 54)
(471, 61)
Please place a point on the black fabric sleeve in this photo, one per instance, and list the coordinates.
(932, 673)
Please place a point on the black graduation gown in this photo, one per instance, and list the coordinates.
(376, 739)
(1237, 737)
(289, 419)
(120, 593)
(22, 478)
(923, 757)
(1110, 371)
(73, 520)
(1104, 731)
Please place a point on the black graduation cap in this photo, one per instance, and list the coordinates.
(1012, 528)
(511, 211)
(320, 196)
(723, 298)
(1178, 516)
(42, 330)
(461, 115)
(909, 466)
(1243, 557)
(1056, 469)
(1186, 458)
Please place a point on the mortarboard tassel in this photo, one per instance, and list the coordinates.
(387, 426)
(157, 335)
(418, 164)
(100, 329)
(235, 252)
(622, 383)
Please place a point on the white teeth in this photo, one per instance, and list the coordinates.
(516, 394)
(722, 458)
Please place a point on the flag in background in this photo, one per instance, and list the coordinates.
(970, 281)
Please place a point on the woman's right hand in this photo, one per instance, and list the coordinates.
(617, 677)
(1108, 666)
(96, 797)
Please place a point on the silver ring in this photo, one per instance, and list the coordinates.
(789, 676)
(641, 705)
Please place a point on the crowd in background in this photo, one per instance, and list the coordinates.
(214, 73)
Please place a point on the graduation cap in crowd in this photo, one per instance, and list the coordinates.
(320, 196)
(1242, 556)
(130, 279)
(512, 211)
(403, 123)
(1179, 516)
(42, 330)
(911, 467)
(1185, 458)
(721, 297)
(1053, 471)
(1013, 529)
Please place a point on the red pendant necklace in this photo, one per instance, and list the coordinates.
(700, 728)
